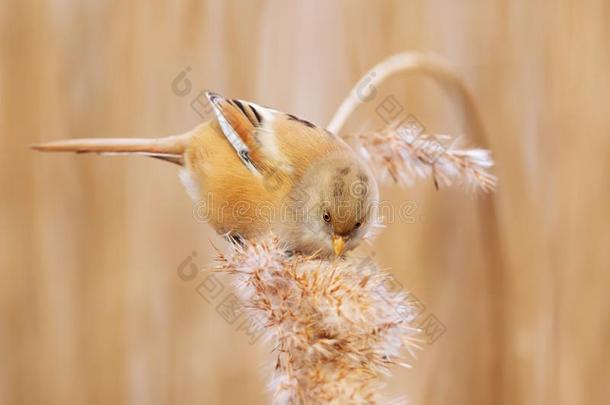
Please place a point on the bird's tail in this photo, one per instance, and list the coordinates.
(170, 148)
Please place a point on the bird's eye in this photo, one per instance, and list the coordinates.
(326, 217)
(357, 225)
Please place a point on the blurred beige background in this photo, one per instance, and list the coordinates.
(92, 310)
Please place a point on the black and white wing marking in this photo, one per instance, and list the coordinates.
(238, 121)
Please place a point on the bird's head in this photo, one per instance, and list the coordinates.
(337, 204)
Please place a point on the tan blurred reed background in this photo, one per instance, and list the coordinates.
(92, 309)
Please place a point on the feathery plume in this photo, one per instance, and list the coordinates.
(405, 157)
(336, 326)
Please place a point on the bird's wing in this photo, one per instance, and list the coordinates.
(239, 121)
(268, 140)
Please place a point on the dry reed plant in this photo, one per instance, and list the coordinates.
(405, 157)
(337, 325)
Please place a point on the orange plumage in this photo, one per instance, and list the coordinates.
(258, 170)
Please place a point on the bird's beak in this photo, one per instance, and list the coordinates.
(338, 244)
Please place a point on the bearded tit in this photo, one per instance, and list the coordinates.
(259, 170)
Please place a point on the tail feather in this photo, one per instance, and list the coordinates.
(170, 148)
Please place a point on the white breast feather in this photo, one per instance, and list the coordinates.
(188, 179)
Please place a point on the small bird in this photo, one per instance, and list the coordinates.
(257, 170)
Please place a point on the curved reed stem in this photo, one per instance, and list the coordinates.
(414, 63)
